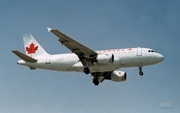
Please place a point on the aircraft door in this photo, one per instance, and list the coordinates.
(47, 60)
(139, 51)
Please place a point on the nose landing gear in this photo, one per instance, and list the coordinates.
(140, 71)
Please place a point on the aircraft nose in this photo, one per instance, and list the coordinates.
(160, 57)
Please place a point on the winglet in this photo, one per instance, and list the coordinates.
(49, 29)
(24, 57)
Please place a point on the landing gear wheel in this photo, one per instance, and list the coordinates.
(96, 82)
(141, 73)
(86, 70)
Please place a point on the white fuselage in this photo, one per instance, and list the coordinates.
(130, 57)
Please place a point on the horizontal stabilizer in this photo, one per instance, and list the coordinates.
(24, 57)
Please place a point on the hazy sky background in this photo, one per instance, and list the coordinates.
(98, 24)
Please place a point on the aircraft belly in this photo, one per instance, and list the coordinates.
(103, 68)
(95, 68)
(63, 66)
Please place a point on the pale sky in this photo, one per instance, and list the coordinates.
(98, 24)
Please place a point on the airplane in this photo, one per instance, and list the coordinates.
(102, 64)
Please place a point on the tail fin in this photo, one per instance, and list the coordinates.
(32, 47)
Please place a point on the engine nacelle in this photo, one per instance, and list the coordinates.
(105, 58)
(118, 76)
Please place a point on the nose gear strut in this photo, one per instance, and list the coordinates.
(140, 71)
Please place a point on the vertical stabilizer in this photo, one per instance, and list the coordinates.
(32, 47)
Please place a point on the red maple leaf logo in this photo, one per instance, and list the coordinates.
(31, 49)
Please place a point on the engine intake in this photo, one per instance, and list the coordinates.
(105, 58)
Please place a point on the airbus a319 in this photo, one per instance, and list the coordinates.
(102, 65)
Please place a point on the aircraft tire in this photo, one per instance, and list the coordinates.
(96, 82)
(86, 70)
(141, 73)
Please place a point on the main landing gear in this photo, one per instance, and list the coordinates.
(95, 81)
(86, 70)
(140, 71)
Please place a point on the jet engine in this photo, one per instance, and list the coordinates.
(105, 58)
(118, 76)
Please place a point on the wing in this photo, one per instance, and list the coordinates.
(84, 53)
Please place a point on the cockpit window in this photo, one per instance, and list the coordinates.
(151, 51)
